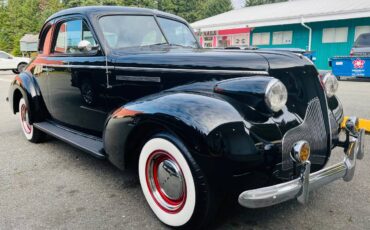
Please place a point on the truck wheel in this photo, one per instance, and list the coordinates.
(32, 134)
(173, 184)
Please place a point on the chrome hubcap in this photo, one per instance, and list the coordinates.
(170, 179)
(25, 120)
(166, 181)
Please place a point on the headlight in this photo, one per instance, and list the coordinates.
(330, 84)
(276, 95)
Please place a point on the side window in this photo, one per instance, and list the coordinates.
(70, 34)
(4, 55)
(44, 39)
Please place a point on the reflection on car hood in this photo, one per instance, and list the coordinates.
(191, 59)
(22, 59)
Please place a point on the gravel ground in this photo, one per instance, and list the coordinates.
(55, 186)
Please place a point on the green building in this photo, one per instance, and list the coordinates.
(328, 27)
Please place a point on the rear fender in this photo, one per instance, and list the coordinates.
(26, 85)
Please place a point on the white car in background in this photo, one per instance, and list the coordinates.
(9, 62)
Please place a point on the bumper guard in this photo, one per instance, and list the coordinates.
(300, 187)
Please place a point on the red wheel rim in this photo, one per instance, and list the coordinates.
(170, 197)
(24, 119)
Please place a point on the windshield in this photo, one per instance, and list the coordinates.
(126, 31)
(177, 33)
(363, 40)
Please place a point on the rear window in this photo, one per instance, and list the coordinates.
(44, 36)
(363, 40)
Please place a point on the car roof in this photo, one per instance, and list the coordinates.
(89, 10)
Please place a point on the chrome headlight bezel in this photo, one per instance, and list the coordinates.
(330, 84)
(276, 95)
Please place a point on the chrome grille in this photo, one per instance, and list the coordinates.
(334, 126)
(312, 129)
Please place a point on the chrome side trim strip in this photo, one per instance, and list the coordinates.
(164, 70)
(79, 66)
(138, 78)
(209, 71)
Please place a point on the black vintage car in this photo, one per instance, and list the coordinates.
(134, 87)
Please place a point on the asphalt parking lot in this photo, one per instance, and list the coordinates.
(55, 186)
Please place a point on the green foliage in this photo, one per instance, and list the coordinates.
(20, 17)
(214, 7)
(261, 2)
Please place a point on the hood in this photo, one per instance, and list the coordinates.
(22, 59)
(360, 51)
(191, 59)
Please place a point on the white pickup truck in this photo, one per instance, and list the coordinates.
(9, 62)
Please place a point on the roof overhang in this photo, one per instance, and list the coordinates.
(309, 18)
(261, 16)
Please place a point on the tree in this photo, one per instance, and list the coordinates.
(193, 10)
(261, 2)
(19, 17)
(214, 7)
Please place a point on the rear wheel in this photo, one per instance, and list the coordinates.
(20, 68)
(173, 184)
(31, 133)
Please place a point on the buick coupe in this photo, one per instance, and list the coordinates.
(134, 87)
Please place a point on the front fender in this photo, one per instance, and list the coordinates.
(210, 127)
(26, 85)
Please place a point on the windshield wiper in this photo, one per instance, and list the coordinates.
(159, 44)
(183, 46)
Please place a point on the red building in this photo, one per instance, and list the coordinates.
(225, 38)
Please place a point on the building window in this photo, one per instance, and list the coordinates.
(361, 30)
(240, 39)
(261, 39)
(282, 37)
(335, 35)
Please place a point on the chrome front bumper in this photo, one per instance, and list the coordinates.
(300, 187)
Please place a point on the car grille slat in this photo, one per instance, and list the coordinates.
(312, 130)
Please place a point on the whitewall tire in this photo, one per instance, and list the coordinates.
(24, 119)
(173, 212)
(173, 184)
(30, 132)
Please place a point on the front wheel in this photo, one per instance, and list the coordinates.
(173, 184)
(31, 133)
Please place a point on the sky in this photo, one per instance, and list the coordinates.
(238, 3)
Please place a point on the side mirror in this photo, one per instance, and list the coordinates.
(10, 57)
(86, 46)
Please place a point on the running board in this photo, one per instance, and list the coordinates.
(90, 144)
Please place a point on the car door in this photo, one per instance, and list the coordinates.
(77, 77)
(6, 61)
